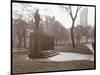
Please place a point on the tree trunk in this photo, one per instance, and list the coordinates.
(72, 35)
(77, 39)
(19, 43)
(24, 42)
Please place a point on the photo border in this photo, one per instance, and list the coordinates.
(52, 3)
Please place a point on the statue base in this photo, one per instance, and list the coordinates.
(41, 45)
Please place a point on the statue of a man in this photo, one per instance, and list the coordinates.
(37, 17)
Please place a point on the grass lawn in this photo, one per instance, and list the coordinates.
(21, 65)
(80, 49)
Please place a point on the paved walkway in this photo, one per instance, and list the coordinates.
(90, 47)
(66, 56)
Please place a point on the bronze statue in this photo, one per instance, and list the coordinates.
(37, 17)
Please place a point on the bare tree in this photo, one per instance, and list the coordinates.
(20, 24)
(73, 18)
(55, 28)
(79, 31)
(84, 31)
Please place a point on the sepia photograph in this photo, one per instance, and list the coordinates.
(52, 37)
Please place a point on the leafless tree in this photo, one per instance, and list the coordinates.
(83, 31)
(56, 29)
(20, 25)
(73, 18)
(79, 31)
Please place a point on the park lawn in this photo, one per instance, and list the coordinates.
(21, 65)
(80, 49)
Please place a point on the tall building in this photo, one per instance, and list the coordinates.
(84, 16)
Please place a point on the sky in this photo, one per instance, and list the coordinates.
(55, 10)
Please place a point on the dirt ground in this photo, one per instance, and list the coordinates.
(20, 65)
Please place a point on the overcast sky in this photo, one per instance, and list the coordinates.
(55, 10)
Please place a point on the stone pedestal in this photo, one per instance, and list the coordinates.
(39, 44)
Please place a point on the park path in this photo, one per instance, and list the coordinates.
(90, 47)
(66, 56)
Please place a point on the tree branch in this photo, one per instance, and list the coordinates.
(69, 10)
(78, 8)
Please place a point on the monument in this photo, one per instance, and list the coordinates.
(41, 45)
